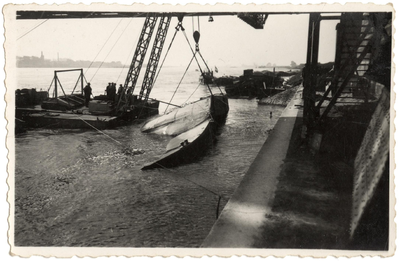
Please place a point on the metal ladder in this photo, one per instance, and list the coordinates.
(351, 63)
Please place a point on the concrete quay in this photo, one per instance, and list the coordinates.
(294, 198)
(240, 223)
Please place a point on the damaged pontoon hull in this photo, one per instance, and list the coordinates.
(186, 147)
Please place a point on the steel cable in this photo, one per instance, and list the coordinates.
(32, 29)
(111, 49)
(187, 68)
(103, 45)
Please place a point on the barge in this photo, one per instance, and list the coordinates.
(37, 110)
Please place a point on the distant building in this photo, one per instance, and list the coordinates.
(41, 62)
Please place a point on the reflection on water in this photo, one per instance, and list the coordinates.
(81, 188)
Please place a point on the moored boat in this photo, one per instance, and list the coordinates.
(207, 77)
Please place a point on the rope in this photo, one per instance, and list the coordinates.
(187, 68)
(32, 29)
(198, 64)
(192, 93)
(111, 49)
(162, 63)
(98, 130)
(84, 77)
(127, 58)
(208, 69)
(201, 186)
(201, 56)
(103, 45)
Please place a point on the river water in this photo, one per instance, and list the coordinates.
(82, 188)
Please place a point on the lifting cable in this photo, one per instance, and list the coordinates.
(198, 51)
(126, 61)
(84, 77)
(197, 61)
(201, 186)
(99, 130)
(208, 69)
(198, 24)
(198, 64)
(127, 58)
(169, 47)
(32, 29)
(192, 93)
(187, 68)
(183, 76)
(194, 57)
(90, 125)
(103, 45)
(111, 49)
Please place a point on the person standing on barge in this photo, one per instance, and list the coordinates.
(88, 91)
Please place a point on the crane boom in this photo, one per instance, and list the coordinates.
(138, 58)
(154, 57)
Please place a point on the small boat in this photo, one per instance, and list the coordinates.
(207, 77)
(186, 147)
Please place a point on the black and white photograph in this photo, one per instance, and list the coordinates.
(200, 130)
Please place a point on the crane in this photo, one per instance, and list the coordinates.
(125, 99)
(127, 102)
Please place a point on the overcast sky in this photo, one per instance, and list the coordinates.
(225, 42)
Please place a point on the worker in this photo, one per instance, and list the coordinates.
(120, 91)
(113, 90)
(88, 91)
(108, 92)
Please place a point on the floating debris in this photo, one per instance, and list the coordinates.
(132, 152)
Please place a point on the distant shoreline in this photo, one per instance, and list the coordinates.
(66, 67)
(41, 62)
